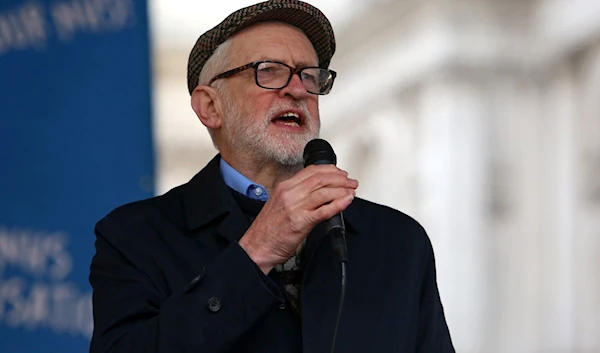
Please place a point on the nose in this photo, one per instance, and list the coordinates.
(295, 88)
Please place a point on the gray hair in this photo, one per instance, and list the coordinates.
(216, 64)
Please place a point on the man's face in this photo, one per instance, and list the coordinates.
(252, 125)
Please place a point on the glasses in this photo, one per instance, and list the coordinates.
(275, 75)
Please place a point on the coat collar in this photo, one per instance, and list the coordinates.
(206, 197)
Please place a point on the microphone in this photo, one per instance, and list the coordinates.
(319, 151)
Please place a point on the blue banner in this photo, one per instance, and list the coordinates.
(75, 142)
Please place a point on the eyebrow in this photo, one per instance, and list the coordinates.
(298, 64)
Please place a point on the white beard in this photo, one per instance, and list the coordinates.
(283, 148)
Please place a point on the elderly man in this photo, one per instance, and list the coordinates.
(235, 260)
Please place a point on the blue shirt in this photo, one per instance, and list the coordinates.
(241, 184)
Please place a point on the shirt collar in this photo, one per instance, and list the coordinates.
(241, 184)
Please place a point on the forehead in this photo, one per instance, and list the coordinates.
(273, 40)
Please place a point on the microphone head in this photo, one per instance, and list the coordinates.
(319, 151)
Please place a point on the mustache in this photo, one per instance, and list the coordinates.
(301, 105)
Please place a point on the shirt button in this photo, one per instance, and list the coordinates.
(258, 191)
(214, 304)
(282, 306)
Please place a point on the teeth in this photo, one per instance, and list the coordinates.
(291, 115)
(289, 119)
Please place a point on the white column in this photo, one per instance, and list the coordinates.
(452, 175)
(530, 257)
(585, 236)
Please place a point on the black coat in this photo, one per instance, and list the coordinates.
(169, 276)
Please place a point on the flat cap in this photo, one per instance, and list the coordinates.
(306, 17)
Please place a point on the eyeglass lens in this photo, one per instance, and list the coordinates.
(276, 76)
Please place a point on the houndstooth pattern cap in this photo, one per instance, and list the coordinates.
(306, 17)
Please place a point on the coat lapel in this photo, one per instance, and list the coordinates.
(207, 198)
(234, 225)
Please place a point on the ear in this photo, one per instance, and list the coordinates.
(207, 106)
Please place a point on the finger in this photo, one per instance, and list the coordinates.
(311, 170)
(324, 196)
(326, 180)
(329, 210)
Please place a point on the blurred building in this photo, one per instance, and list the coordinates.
(481, 119)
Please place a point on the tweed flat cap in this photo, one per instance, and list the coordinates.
(306, 17)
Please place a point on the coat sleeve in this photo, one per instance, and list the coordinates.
(433, 334)
(209, 315)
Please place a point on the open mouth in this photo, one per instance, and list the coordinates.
(289, 119)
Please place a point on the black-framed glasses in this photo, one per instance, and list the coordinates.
(276, 75)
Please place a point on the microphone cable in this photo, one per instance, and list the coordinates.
(342, 296)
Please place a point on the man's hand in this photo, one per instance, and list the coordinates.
(315, 194)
